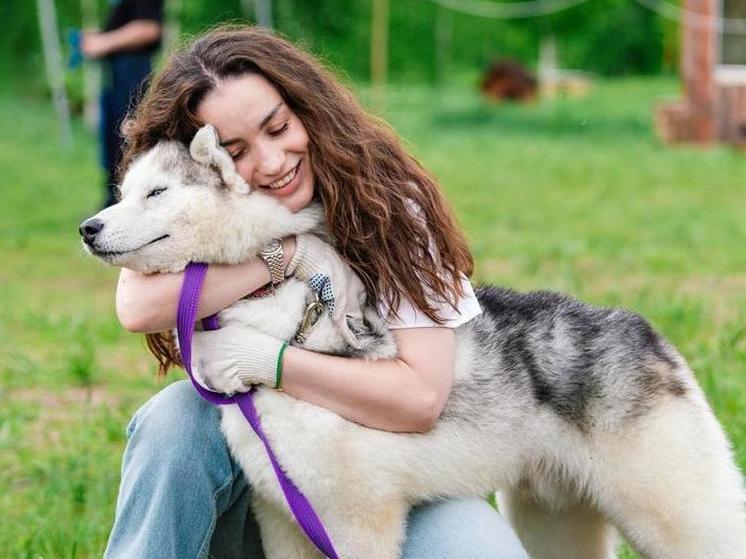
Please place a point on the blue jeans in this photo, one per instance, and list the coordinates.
(183, 496)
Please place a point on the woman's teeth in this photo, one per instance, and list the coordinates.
(284, 180)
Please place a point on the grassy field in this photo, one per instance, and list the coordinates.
(570, 195)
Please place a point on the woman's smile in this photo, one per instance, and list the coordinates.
(286, 185)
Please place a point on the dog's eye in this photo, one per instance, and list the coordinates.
(156, 191)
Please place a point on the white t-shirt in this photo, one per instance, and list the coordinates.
(409, 316)
(412, 317)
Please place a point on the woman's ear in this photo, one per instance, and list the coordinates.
(205, 148)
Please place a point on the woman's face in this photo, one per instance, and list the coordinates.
(264, 137)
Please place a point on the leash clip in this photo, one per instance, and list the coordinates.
(314, 310)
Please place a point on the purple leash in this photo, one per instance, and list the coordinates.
(304, 514)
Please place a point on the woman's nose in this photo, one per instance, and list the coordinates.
(270, 162)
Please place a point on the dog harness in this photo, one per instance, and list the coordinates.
(300, 506)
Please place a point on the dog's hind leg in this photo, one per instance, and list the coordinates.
(570, 531)
(358, 529)
(670, 484)
(281, 536)
(370, 529)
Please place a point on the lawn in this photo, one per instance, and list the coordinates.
(574, 195)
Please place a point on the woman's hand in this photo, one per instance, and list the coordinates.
(234, 358)
(321, 265)
(312, 255)
(94, 44)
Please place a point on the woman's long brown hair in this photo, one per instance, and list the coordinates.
(367, 182)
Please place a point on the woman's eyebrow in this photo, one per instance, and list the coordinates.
(262, 124)
(269, 116)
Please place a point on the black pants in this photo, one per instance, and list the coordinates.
(125, 81)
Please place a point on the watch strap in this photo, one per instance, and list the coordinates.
(272, 255)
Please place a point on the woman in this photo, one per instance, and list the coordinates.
(297, 135)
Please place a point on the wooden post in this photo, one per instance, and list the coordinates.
(379, 39)
(53, 61)
(247, 7)
(698, 61)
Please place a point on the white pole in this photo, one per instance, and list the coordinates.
(172, 29)
(91, 73)
(379, 53)
(53, 60)
(263, 13)
(443, 42)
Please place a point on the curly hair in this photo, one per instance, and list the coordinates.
(365, 179)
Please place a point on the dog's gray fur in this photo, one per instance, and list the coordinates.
(570, 356)
(582, 417)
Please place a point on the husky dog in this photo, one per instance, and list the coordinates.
(583, 418)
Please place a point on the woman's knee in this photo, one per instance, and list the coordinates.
(176, 418)
(176, 436)
(468, 528)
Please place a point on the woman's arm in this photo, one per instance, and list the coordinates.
(406, 394)
(148, 303)
(133, 35)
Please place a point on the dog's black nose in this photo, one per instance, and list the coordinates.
(90, 228)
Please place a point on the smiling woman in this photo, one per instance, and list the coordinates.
(297, 135)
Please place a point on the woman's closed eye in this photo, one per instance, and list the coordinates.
(278, 131)
(237, 154)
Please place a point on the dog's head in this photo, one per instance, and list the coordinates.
(180, 205)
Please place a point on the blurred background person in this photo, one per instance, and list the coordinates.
(126, 47)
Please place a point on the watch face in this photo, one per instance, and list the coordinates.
(272, 246)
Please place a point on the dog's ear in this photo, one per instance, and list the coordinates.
(206, 149)
(367, 335)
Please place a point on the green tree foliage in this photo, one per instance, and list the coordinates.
(608, 37)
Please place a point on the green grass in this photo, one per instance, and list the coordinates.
(574, 195)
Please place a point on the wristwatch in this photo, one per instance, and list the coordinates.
(272, 254)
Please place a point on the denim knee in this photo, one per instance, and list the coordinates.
(177, 478)
(176, 425)
(467, 528)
